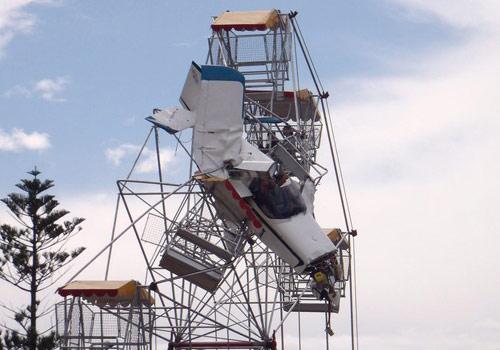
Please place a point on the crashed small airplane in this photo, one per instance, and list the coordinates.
(246, 183)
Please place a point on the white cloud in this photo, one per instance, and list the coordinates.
(98, 210)
(14, 20)
(18, 140)
(17, 90)
(450, 104)
(482, 15)
(419, 155)
(50, 88)
(147, 162)
(5, 38)
(115, 155)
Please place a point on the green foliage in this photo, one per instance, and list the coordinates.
(31, 254)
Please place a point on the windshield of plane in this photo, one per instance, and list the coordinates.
(277, 202)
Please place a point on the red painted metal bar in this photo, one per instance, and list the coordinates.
(220, 345)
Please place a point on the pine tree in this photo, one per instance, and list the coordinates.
(32, 255)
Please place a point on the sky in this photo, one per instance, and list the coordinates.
(415, 97)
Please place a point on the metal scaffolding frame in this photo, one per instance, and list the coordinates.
(216, 285)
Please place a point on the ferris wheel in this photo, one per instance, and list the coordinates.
(233, 252)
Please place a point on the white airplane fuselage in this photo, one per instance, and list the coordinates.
(242, 182)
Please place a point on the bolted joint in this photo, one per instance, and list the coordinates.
(153, 286)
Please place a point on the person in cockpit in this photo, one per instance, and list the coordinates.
(277, 200)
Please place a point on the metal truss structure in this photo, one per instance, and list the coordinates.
(215, 285)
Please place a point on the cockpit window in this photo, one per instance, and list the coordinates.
(277, 202)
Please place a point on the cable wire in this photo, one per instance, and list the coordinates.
(340, 182)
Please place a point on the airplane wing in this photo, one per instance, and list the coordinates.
(173, 119)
